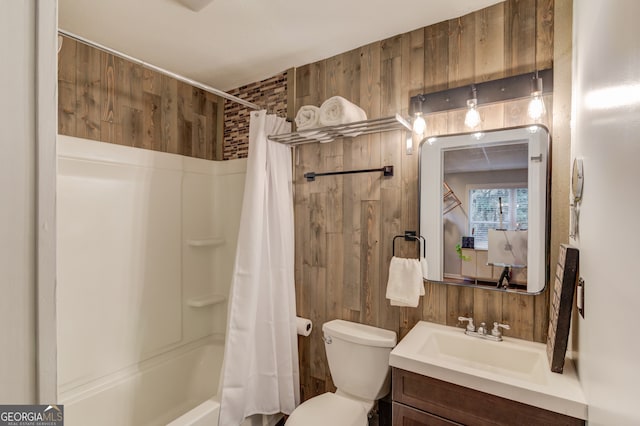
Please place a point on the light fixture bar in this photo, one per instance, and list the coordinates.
(500, 90)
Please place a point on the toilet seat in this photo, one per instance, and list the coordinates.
(329, 409)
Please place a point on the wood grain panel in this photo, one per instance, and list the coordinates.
(462, 50)
(335, 258)
(545, 34)
(520, 24)
(435, 303)
(199, 136)
(370, 273)
(169, 114)
(318, 294)
(345, 225)
(489, 61)
(132, 126)
(109, 99)
(436, 57)
(152, 82)
(152, 129)
(67, 88)
(88, 91)
(110, 111)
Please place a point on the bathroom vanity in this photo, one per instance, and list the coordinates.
(443, 377)
(423, 400)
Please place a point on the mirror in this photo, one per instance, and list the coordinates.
(484, 208)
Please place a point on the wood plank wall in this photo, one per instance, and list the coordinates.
(345, 224)
(106, 98)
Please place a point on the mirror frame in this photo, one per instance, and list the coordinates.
(430, 164)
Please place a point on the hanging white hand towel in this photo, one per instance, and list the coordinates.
(337, 110)
(405, 285)
(425, 268)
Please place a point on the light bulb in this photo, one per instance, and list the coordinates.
(419, 125)
(472, 119)
(536, 106)
(409, 142)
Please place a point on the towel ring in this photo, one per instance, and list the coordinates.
(408, 236)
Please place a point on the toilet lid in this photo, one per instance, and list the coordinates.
(329, 409)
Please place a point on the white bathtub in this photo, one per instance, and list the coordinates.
(152, 393)
(205, 414)
(208, 413)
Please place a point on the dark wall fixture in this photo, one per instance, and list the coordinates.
(503, 89)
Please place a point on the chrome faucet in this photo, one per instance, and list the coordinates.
(481, 331)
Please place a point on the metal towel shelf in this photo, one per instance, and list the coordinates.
(376, 125)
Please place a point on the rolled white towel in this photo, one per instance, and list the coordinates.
(337, 110)
(308, 117)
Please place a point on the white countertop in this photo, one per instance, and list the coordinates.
(423, 351)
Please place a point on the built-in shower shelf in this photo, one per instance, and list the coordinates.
(204, 301)
(205, 242)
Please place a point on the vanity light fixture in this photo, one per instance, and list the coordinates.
(485, 93)
(419, 125)
(472, 120)
(536, 105)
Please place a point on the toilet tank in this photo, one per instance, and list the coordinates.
(358, 358)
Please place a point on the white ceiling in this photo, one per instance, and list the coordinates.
(483, 158)
(229, 43)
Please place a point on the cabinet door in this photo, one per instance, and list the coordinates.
(407, 416)
(446, 401)
(484, 271)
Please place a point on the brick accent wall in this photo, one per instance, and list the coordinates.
(270, 94)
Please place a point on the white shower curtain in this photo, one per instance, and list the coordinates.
(261, 354)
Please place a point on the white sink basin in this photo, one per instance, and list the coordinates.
(514, 369)
(506, 357)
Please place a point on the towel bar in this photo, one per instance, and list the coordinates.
(408, 236)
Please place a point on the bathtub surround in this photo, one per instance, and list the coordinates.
(261, 373)
(146, 242)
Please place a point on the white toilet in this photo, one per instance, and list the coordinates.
(358, 358)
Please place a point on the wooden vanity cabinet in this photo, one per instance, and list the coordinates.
(423, 401)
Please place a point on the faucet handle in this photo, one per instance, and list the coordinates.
(496, 329)
(470, 326)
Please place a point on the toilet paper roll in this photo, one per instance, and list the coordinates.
(303, 326)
